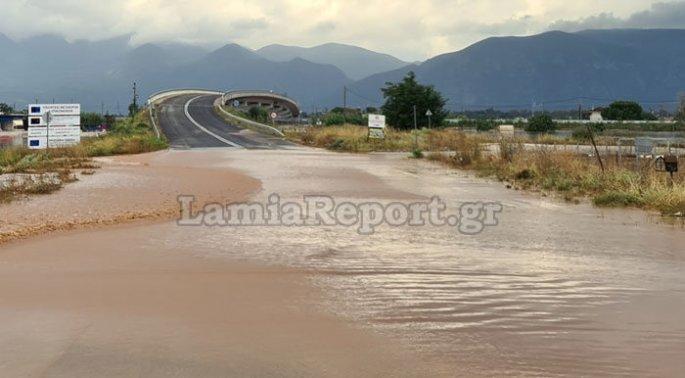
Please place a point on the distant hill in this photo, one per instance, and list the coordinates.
(101, 73)
(356, 62)
(235, 67)
(553, 68)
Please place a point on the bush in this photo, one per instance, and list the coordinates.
(258, 114)
(334, 119)
(623, 111)
(541, 123)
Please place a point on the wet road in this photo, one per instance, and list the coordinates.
(189, 121)
(554, 290)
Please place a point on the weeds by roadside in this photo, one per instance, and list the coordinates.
(572, 176)
(541, 168)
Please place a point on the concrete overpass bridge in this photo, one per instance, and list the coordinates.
(285, 108)
(189, 118)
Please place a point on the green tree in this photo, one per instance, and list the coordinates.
(333, 119)
(400, 99)
(6, 109)
(258, 114)
(623, 111)
(91, 120)
(541, 123)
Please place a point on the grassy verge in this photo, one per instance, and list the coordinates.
(572, 176)
(29, 172)
(351, 138)
(245, 121)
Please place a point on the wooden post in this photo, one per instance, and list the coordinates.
(592, 140)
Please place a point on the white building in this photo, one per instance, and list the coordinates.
(596, 116)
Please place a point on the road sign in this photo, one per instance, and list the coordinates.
(376, 126)
(54, 125)
(429, 113)
(376, 121)
(644, 146)
(376, 133)
(236, 103)
(274, 115)
(56, 110)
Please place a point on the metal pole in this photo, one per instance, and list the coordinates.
(47, 130)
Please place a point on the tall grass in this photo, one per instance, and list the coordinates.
(572, 175)
(544, 168)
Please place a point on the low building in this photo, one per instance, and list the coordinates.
(596, 116)
(11, 122)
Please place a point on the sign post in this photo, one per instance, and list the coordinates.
(54, 125)
(376, 126)
(429, 114)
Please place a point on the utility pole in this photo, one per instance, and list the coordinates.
(416, 131)
(133, 109)
(344, 99)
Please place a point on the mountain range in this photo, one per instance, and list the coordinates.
(356, 62)
(553, 69)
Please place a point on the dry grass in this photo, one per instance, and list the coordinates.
(353, 138)
(571, 175)
(131, 136)
(543, 169)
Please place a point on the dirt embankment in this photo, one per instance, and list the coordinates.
(126, 189)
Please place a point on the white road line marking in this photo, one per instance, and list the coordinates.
(217, 137)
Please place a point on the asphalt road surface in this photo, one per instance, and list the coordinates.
(189, 121)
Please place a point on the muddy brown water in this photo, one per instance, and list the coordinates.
(554, 290)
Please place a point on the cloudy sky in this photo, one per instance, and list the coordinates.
(409, 29)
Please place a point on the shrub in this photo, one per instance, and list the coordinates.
(334, 119)
(541, 123)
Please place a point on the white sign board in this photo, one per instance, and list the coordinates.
(376, 121)
(55, 109)
(644, 146)
(274, 115)
(54, 125)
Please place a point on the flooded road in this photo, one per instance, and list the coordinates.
(553, 290)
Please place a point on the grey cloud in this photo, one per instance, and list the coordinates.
(660, 15)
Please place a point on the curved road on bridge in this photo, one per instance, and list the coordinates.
(189, 121)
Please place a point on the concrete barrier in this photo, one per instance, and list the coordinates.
(159, 96)
(247, 123)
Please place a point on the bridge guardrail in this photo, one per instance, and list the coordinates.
(175, 92)
(219, 103)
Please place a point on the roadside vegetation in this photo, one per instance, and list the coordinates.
(29, 172)
(532, 160)
(572, 176)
